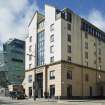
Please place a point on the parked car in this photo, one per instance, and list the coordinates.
(17, 95)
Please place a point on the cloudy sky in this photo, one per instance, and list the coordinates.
(16, 14)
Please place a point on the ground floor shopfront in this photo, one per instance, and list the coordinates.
(64, 80)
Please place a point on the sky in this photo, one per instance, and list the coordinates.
(16, 14)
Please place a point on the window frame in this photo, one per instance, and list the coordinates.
(69, 26)
(52, 59)
(68, 48)
(52, 38)
(69, 74)
(52, 74)
(52, 49)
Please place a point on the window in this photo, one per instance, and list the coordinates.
(17, 60)
(40, 48)
(51, 49)
(41, 25)
(86, 35)
(86, 55)
(86, 45)
(69, 37)
(99, 51)
(69, 49)
(52, 38)
(51, 27)
(69, 75)
(69, 58)
(30, 48)
(94, 44)
(69, 26)
(69, 17)
(30, 57)
(99, 67)
(30, 78)
(30, 38)
(86, 77)
(52, 59)
(99, 59)
(30, 66)
(52, 74)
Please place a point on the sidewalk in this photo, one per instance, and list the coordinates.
(82, 102)
(68, 102)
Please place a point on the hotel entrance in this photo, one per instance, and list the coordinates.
(39, 87)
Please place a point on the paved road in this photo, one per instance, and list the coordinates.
(8, 101)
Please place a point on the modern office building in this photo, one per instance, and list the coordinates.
(3, 71)
(1, 61)
(14, 58)
(64, 56)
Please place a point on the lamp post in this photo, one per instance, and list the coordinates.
(34, 83)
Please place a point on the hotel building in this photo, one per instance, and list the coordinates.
(64, 56)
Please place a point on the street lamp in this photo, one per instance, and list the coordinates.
(34, 83)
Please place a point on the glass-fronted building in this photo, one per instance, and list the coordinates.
(14, 52)
(3, 71)
(40, 48)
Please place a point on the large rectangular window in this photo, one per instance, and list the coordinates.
(40, 48)
(52, 74)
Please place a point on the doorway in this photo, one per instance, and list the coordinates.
(69, 91)
(52, 91)
(30, 92)
(39, 83)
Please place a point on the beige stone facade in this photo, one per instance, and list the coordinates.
(81, 85)
(67, 56)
